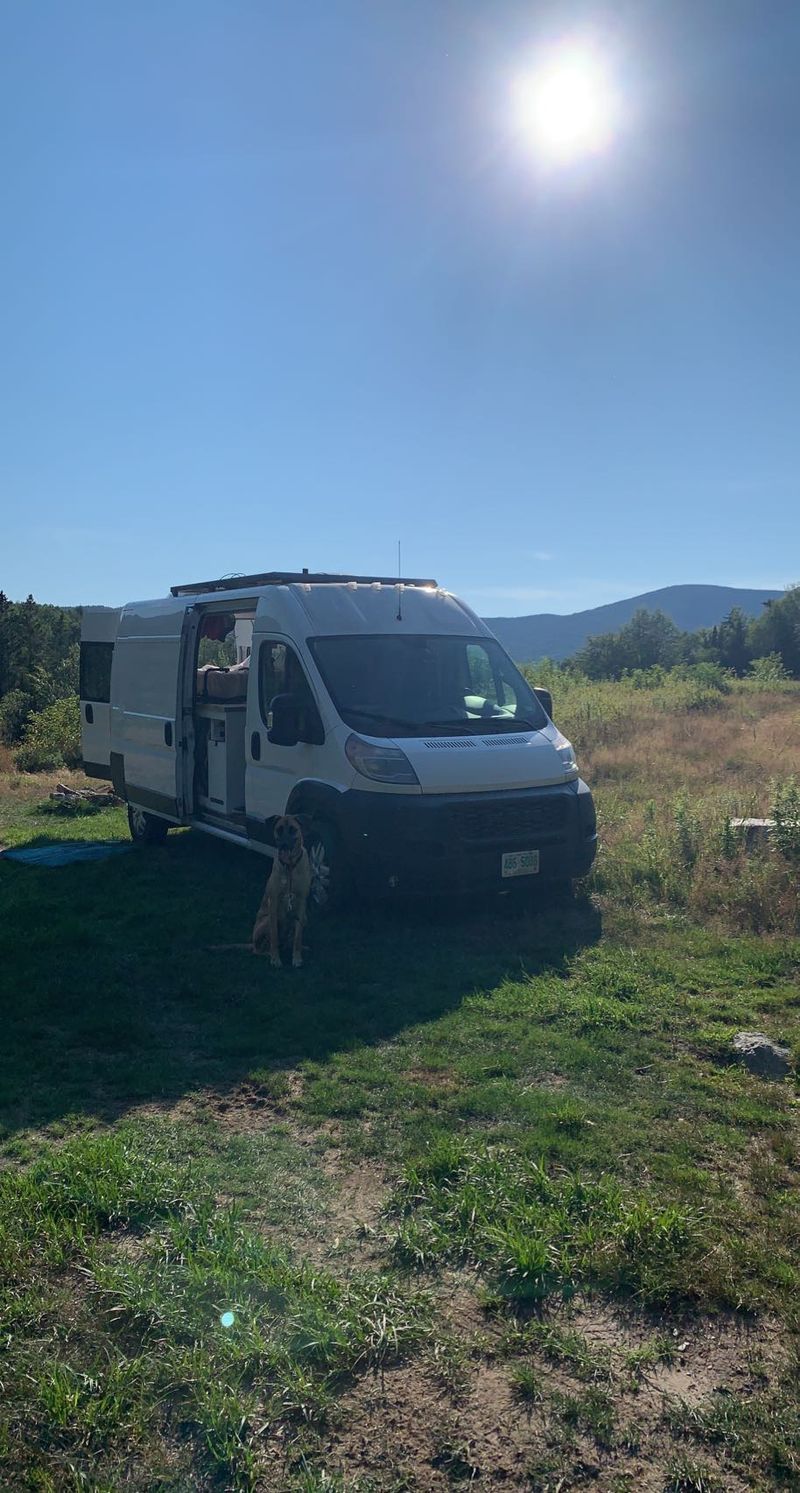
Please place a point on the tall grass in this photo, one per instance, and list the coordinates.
(673, 758)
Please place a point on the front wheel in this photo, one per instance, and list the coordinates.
(146, 829)
(330, 879)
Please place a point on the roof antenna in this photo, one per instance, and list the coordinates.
(399, 586)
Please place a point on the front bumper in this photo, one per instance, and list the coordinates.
(453, 842)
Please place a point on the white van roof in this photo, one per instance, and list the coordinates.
(337, 609)
(311, 607)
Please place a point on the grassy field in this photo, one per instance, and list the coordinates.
(478, 1195)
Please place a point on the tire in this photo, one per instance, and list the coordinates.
(146, 829)
(330, 876)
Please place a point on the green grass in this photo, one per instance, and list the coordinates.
(527, 1383)
(548, 1093)
(190, 1320)
(537, 1234)
(34, 819)
(590, 1411)
(757, 1433)
(559, 1345)
(687, 1475)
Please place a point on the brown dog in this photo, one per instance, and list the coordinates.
(286, 894)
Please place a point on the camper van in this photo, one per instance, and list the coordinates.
(382, 711)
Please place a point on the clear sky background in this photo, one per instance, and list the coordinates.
(280, 285)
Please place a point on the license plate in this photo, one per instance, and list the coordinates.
(520, 863)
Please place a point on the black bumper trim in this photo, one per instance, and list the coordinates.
(97, 770)
(432, 842)
(158, 803)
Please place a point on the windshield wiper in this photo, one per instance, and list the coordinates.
(523, 725)
(452, 725)
(417, 727)
(384, 718)
(472, 726)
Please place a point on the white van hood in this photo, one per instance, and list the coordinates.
(465, 764)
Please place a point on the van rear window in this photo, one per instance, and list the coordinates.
(96, 671)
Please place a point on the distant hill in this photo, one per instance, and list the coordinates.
(547, 635)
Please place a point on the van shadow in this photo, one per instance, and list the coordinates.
(113, 994)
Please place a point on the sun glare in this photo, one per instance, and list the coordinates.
(567, 106)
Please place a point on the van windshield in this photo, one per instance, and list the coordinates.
(416, 685)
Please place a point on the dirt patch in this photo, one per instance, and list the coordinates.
(709, 1351)
(432, 1078)
(345, 1232)
(403, 1424)
(409, 1425)
(359, 1196)
(552, 1081)
(249, 1106)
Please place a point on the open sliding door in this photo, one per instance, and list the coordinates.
(153, 663)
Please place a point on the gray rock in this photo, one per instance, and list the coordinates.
(761, 1055)
(753, 832)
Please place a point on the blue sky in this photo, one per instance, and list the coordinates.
(281, 285)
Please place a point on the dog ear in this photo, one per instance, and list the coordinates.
(269, 825)
(305, 822)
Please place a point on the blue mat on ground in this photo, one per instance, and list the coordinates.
(64, 852)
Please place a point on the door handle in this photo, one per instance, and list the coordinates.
(255, 746)
(88, 714)
(168, 733)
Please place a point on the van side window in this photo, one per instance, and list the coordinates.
(95, 680)
(280, 672)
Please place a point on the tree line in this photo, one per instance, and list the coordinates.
(767, 646)
(39, 654)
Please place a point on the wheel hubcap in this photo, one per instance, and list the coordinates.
(138, 821)
(320, 873)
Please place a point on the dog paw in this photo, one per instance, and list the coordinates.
(274, 960)
(297, 962)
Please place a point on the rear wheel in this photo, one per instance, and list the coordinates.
(330, 878)
(146, 829)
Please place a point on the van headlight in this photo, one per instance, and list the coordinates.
(385, 764)
(566, 756)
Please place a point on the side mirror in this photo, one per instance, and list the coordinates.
(283, 721)
(544, 697)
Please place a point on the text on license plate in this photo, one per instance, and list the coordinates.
(520, 863)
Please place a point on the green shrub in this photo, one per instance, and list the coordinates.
(52, 738)
(785, 810)
(15, 710)
(768, 670)
(709, 676)
(212, 652)
(688, 834)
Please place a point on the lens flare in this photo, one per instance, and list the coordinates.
(568, 105)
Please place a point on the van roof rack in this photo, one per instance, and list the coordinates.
(290, 578)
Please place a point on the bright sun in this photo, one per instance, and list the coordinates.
(567, 106)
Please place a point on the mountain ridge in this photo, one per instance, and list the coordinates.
(551, 635)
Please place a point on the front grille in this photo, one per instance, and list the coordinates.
(525, 819)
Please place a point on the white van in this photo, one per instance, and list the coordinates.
(383, 711)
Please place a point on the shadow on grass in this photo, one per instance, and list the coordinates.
(111, 996)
